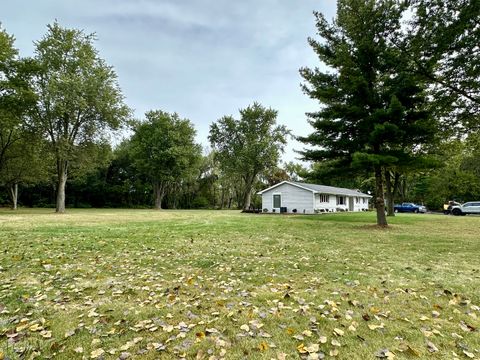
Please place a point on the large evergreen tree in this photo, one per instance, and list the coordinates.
(372, 113)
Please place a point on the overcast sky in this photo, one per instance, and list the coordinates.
(200, 58)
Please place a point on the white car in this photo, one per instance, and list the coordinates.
(471, 207)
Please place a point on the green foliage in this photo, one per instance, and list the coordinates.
(444, 48)
(249, 146)
(164, 151)
(15, 94)
(78, 99)
(459, 178)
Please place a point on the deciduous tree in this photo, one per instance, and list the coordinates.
(79, 99)
(248, 146)
(163, 149)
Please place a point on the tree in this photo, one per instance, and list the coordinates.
(249, 146)
(15, 94)
(163, 149)
(25, 163)
(79, 99)
(295, 171)
(374, 114)
(443, 45)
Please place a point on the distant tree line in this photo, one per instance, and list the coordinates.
(59, 110)
(398, 115)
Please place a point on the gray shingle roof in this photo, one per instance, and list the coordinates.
(322, 189)
(330, 189)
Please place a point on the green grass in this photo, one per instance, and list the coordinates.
(174, 284)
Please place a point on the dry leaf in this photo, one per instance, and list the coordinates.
(338, 332)
(97, 353)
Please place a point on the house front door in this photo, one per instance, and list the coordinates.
(350, 204)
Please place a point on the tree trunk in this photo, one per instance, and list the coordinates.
(379, 200)
(61, 182)
(391, 190)
(222, 197)
(247, 196)
(14, 195)
(247, 199)
(158, 194)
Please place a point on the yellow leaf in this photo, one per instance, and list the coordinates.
(97, 353)
(313, 348)
(374, 327)
(301, 349)
(46, 334)
(35, 327)
(338, 332)
(307, 333)
(413, 351)
(263, 346)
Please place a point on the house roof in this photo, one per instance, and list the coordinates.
(320, 189)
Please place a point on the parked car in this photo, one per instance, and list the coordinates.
(447, 208)
(471, 207)
(410, 207)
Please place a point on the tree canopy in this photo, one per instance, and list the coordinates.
(78, 98)
(248, 146)
(163, 149)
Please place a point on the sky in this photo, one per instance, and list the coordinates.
(202, 59)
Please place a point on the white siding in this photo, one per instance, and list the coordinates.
(293, 197)
(329, 206)
(308, 202)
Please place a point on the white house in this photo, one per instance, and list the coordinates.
(290, 197)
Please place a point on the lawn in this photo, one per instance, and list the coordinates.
(146, 284)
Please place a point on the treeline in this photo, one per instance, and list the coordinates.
(398, 116)
(60, 111)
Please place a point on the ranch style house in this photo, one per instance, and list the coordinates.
(301, 198)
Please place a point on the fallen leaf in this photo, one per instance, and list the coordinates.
(338, 332)
(431, 347)
(97, 353)
(263, 346)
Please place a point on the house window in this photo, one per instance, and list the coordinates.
(364, 200)
(340, 200)
(324, 198)
(357, 200)
(277, 201)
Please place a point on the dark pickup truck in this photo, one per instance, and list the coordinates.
(410, 207)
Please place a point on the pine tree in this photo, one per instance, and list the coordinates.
(373, 111)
